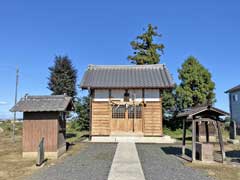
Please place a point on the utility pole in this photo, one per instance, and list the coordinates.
(15, 102)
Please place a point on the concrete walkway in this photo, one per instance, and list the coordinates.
(126, 163)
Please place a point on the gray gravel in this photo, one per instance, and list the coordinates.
(92, 163)
(157, 164)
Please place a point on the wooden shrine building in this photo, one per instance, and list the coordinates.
(206, 121)
(44, 117)
(126, 99)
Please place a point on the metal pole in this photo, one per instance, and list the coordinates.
(15, 102)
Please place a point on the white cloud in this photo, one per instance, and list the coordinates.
(3, 102)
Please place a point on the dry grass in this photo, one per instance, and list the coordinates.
(230, 170)
(219, 171)
(13, 166)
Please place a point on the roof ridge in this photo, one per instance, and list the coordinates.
(44, 97)
(92, 66)
(42, 103)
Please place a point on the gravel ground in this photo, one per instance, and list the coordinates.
(157, 164)
(92, 163)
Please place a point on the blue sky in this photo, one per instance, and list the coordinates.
(99, 32)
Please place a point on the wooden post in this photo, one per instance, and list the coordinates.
(184, 137)
(193, 140)
(220, 141)
(197, 131)
(207, 132)
(134, 111)
(110, 109)
(64, 123)
(143, 110)
(90, 112)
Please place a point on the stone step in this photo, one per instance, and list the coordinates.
(162, 140)
(126, 134)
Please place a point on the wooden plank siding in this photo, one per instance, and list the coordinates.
(101, 115)
(37, 125)
(103, 124)
(152, 118)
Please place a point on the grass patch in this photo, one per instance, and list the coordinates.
(73, 135)
(76, 136)
(7, 127)
(177, 134)
(219, 171)
(13, 166)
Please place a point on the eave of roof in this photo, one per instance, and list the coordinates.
(197, 110)
(54, 103)
(127, 76)
(236, 88)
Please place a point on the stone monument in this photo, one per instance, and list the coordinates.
(233, 133)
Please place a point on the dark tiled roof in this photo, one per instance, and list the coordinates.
(127, 76)
(236, 88)
(197, 110)
(43, 103)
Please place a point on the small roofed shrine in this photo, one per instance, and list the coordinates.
(44, 117)
(206, 121)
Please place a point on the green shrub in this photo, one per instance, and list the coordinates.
(177, 133)
(81, 121)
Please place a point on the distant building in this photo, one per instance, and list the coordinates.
(234, 102)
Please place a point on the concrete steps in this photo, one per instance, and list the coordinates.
(134, 139)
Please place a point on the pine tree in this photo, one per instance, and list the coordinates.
(148, 52)
(196, 87)
(145, 50)
(62, 77)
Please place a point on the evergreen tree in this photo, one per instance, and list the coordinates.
(62, 77)
(168, 103)
(170, 110)
(145, 50)
(196, 87)
(82, 108)
(149, 52)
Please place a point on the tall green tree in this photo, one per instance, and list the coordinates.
(196, 87)
(146, 48)
(63, 77)
(168, 103)
(170, 110)
(82, 109)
